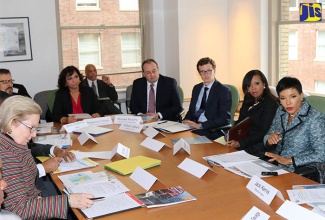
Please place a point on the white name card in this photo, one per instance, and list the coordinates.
(84, 136)
(290, 210)
(152, 144)
(181, 143)
(143, 178)
(193, 167)
(263, 190)
(121, 150)
(73, 126)
(127, 119)
(99, 121)
(151, 132)
(255, 214)
(131, 127)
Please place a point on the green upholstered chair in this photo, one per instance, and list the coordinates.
(41, 99)
(128, 94)
(318, 102)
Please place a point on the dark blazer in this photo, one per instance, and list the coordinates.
(261, 116)
(21, 90)
(63, 104)
(104, 90)
(217, 109)
(168, 101)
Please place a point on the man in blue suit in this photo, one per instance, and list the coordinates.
(155, 94)
(210, 103)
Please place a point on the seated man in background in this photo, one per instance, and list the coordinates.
(103, 89)
(210, 103)
(155, 94)
(7, 85)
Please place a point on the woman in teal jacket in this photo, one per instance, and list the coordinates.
(297, 131)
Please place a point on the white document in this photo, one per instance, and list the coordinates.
(181, 144)
(193, 167)
(146, 118)
(172, 126)
(107, 120)
(127, 119)
(256, 214)
(75, 165)
(263, 190)
(292, 211)
(80, 116)
(121, 150)
(306, 195)
(151, 132)
(97, 154)
(100, 189)
(86, 177)
(112, 204)
(152, 144)
(143, 178)
(84, 137)
(73, 126)
(229, 159)
(46, 124)
(131, 127)
(93, 130)
(55, 139)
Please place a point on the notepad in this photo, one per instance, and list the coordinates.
(127, 166)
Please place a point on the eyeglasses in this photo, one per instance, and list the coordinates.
(7, 81)
(202, 72)
(32, 128)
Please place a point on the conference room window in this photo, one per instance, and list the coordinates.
(293, 45)
(320, 42)
(89, 50)
(110, 38)
(129, 5)
(131, 50)
(293, 5)
(301, 47)
(320, 87)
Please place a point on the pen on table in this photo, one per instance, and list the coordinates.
(97, 198)
(162, 122)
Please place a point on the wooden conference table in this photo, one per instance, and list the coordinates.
(219, 196)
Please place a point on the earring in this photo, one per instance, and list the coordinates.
(10, 131)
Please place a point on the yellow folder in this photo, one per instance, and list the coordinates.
(127, 166)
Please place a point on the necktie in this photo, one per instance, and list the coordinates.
(94, 87)
(152, 102)
(198, 113)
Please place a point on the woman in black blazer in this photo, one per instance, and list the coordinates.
(260, 105)
(73, 98)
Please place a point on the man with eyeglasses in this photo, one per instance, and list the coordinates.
(210, 103)
(7, 84)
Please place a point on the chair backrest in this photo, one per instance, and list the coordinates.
(128, 94)
(40, 98)
(318, 102)
(50, 99)
(235, 101)
(181, 93)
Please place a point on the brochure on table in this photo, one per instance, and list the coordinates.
(86, 177)
(153, 144)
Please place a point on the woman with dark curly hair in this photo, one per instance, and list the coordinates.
(73, 98)
(259, 105)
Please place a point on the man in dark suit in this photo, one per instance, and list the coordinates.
(210, 103)
(7, 85)
(155, 94)
(103, 89)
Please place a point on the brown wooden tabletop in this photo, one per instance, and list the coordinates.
(219, 196)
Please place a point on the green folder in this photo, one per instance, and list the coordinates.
(127, 166)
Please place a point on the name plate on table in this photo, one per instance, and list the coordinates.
(181, 144)
(131, 127)
(263, 190)
(84, 137)
(74, 126)
(151, 132)
(123, 119)
(193, 167)
(255, 214)
(152, 144)
(121, 150)
(143, 178)
(99, 121)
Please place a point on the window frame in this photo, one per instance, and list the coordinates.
(99, 65)
(123, 65)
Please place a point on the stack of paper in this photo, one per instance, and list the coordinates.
(165, 197)
(63, 140)
(127, 166)
(172, 126)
